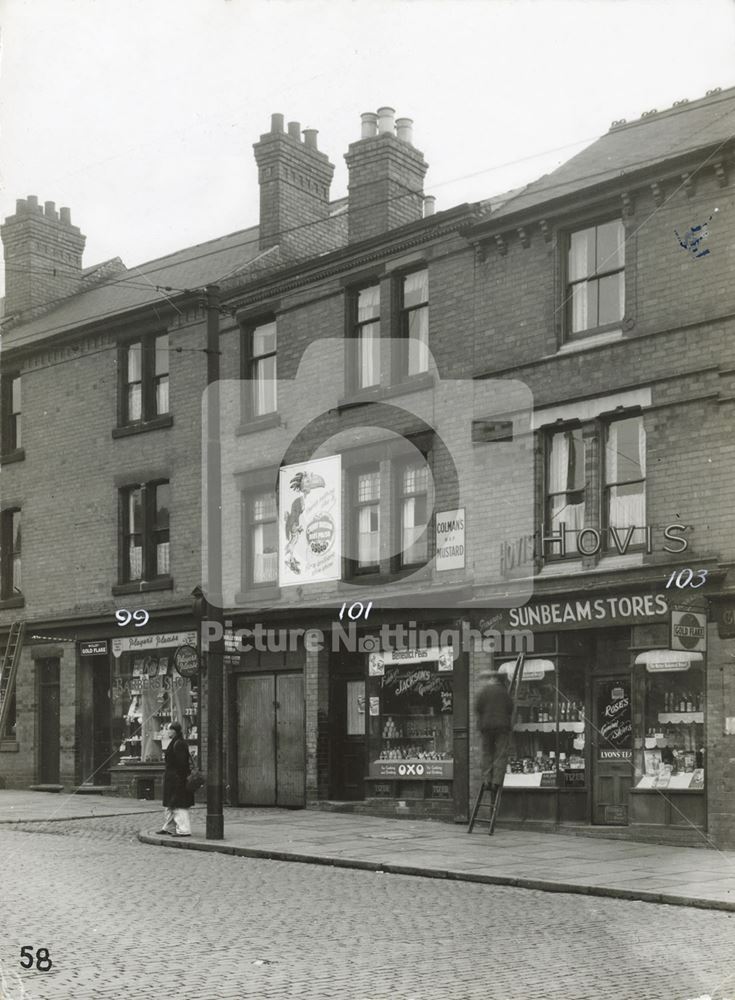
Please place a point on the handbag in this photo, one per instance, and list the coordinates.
(195, 780)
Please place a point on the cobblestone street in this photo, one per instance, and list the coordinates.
(120, 919)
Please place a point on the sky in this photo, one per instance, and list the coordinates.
(140, 115)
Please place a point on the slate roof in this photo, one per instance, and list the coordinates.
(190, 268)
(632, 147)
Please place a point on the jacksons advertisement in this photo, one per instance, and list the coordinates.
(602, 609)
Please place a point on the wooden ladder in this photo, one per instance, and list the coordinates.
(9, 669)
(495, 802)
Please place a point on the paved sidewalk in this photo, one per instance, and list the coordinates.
(682, 876)
(18, 806)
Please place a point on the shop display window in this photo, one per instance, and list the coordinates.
(548, 742)
(147, 694)
(672, 755)
(411, 717)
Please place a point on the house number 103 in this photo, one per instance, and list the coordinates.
(355, 610)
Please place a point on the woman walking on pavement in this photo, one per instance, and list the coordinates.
(177, 799)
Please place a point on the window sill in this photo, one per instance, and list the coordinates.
(256, 424)
(9, 746)
(12, 602)
(166, 420)
(591, 339)
(13, 456)
(416, 383)
(143, 586)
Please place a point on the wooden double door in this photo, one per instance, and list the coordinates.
(271, 765)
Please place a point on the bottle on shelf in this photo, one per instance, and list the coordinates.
(689, 705)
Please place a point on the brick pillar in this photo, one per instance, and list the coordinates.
(316, 692)
(720, 751)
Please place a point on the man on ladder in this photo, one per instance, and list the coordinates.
(494, 709)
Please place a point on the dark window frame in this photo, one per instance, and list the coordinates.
(354, 473)
(549, 528)
(400, 565)
(248, 362)
(150, 533)
(8, 590)
(403, 314)
(149, 380)
(248, 498)
(11, 418)
(605, 424)
(590, 331)
(354, 331)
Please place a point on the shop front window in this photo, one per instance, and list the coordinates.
(147, 694)
(410, 705)
(548, 743)
(672, 755)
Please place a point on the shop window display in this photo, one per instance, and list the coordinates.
(147, 694)
(410, 716)
(548, 744)
(673, 752)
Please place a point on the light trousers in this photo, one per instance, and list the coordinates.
(177, 821)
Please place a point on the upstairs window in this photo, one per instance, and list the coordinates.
(262, 371)
(367, 519)
(145, 532)
(625, 473)
(414, 321)
(145, 380)
(10, 565)
(11, 435)
(595, 295)
(366, 333)
(566, 480)
(414, 509)
(262, 560)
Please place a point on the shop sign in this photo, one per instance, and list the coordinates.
(573, 778)
(688, 631)
(374, 705)
(95, 647)
(450, 539)
(186, 661)
(616, 754)
(725, 620)
(548, 779)
(617, 815)
(600, 611)
(442, 655)
(135, 643)
(310, 522)
(412, 769)
(667, 661)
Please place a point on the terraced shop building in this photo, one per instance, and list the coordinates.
(498, 425)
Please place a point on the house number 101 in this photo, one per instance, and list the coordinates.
(355, 610)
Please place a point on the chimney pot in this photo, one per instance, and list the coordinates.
(276, 123)
(386, 121)
(20, 206)
(429, 205)
(294, 130)
(310, 135)
(32, 202)
(369, 125)
(404, 129)
(49, 210)
(65, 216)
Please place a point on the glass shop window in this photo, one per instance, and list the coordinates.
(147, 694)
(673, 752)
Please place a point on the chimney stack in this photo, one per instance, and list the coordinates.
(386, 176)
(294, 181)
(43, 255)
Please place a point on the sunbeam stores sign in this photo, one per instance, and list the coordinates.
(607, 610)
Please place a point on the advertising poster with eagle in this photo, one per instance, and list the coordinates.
(310, 521)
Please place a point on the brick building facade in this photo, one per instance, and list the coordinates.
(538, 385)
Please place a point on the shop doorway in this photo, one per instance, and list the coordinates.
(101, 721)
(347, 740)
(612, 750)
(49, 730)
(270, 740)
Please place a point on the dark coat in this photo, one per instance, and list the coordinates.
(494, 708)
(178, 768)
